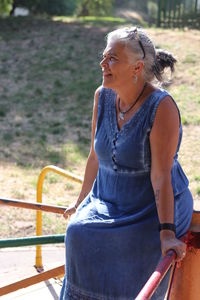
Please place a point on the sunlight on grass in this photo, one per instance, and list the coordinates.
(74, 153)
(90, 19)
(188, 100)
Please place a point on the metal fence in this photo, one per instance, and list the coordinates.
(178, 13)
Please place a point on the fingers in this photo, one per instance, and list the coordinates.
(68, 212)
(174, 244)
(180, 254)
(181, 251)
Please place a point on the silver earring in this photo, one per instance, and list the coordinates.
(135, 78)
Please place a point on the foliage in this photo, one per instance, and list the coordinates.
(152, 9)
(5, 6)
(59, 7)
(95, 7)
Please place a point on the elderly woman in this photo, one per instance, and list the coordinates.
(135, 202)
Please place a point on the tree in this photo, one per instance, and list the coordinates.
(58, 7)
(95, 7)
(5, 6)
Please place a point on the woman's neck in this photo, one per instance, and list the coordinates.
(128, 95)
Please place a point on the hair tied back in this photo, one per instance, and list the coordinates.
(163, 60)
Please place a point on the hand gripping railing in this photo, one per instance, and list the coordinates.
(59, 171)
(153, 282)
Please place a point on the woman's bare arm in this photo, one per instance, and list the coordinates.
(164, 140)
(91, 165)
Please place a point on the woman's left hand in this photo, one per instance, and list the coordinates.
(172, 243)
(69, 211)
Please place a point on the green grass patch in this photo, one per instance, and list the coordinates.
(92, 20)
(190, 59)
(188, 100)
(198, 190)
(197, 178)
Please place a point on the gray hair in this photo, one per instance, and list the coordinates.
(140, 47)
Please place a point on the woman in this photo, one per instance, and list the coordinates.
(133, 184)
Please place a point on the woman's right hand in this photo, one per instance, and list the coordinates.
(170, 242)
(69, 211)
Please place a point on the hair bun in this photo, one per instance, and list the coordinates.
(164, 59)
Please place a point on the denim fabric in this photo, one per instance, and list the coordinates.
(112, 242)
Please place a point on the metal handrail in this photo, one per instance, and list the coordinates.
(27, 241)
(26, 282)
(33, 205)
(153, 282)
(45, 170)
(32, 241)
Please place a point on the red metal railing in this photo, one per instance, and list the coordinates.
(153, 282)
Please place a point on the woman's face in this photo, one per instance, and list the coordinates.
(116, 68)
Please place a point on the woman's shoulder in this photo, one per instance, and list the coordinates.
(102, 89)
(159, 97)
(163, 103)
(160, 93)
(162, 97)
(103, 93)
(98, 91)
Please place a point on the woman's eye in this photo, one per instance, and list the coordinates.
(110, 58)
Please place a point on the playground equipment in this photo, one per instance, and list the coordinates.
(184, 282)
(59, 171)
(38, 239)
(185, 277)
(157, 276)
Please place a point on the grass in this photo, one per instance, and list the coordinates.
(49, 70)
(93, 20)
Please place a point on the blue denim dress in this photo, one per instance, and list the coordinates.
(113, 242)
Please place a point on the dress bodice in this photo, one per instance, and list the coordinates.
(127, 151)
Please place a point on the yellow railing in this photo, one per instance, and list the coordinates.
(59, 171)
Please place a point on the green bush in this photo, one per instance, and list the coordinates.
(152, 9)
(5, 6)
(95, 7)
(58, 7)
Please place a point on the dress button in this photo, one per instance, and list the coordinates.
(113, 158)
(115, 168)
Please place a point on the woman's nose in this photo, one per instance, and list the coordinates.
(103, 62)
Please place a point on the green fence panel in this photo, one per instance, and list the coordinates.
(29, 241)
(178, 13)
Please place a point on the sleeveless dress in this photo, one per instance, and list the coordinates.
(113, 242)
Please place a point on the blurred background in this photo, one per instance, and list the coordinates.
(49, 69)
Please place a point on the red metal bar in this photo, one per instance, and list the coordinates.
(157, 276)
(33, 205)
(32, 280)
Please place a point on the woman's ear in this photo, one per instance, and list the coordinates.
(138, 67)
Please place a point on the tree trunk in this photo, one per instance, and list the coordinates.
(14, 5)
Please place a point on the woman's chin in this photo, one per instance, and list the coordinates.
(107, 84)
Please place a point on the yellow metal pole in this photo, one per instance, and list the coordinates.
(59, 171)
